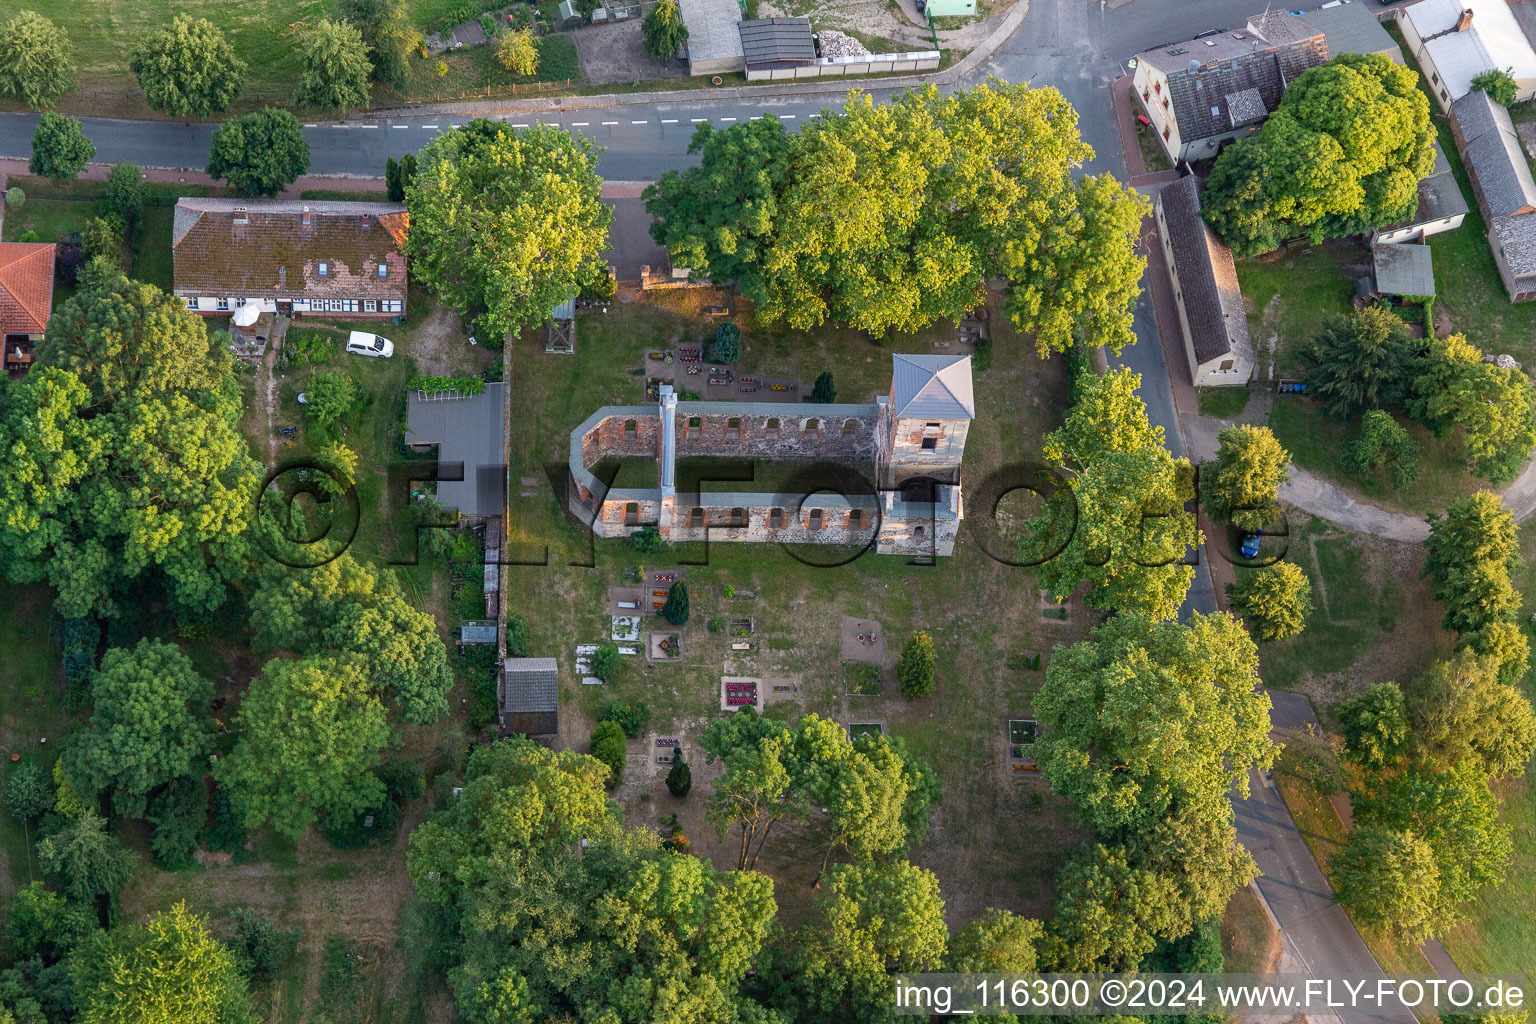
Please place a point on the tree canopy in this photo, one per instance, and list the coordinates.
(335, 67)
(664, 30)
(505, 221)
(150, 724)
(36, 66)
(1342, 154)
(259, 154)
(1121, 527)
(347, 607)
(310, 731)
(1240, 488)
(1359, 362)
(168, 970)
(892, 216)
(1498, 84)
(1493, 407)
(60, 149)
(84, 859)
(187, 68)
(1463, 714)
(387, 32)
(1375, 724)
(1274, 600)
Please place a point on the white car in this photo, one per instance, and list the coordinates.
(364, 344)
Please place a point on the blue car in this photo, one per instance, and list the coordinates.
(1250, 546)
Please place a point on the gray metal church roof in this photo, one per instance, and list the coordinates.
(932, 386)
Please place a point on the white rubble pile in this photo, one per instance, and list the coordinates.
(837, 44)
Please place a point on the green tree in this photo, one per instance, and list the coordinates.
(347, 607)
(125, 192)
(28, 791)
(1473, 552)
(1383, 442)
(335, 67)
(515, 52)
(664, 30)
(675, 610)
(1464, 715)
(150, 724)
(527, 202)
(394, 185)
(187, 68)
(680, 776)
(259, 154)
(1493, 407)
(1250, 466)
(1359, 362)
(331, 398)
(35, 62)
(870, 920)
(824, 390)
(103, 238)
(1454, 814)
(757, 787)
(388, 33)
(1375, 725)
(607, 745)
(128, 339)
(259, 946)
(60, 149)
(1109, 913)
(519, 640)
(168, 970)
(1122, 528)
(915, 669)
(999, 941)
(1388, 879)
(727, 344)
(1146, 715)
(310, 731)
(1274, 600)
(84, 859)
(605, 661)
(1499, 85)
(1342, 154)
(43, 923)
(660, 936)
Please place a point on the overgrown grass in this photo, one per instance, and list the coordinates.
(475, 70)
(1223, 403)
(1248, 940)
(1288, 298)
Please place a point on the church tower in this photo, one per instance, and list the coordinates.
(922, 426)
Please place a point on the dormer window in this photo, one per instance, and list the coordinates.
(383, 271)
(242, 215)
(324, 269)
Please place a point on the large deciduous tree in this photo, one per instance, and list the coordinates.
(1342, 154)
(664, 30)
(504, 222)
(187, 68)
(1473, 553)
(1375, 726)
(348, 607)
(580, 918)
(60, 149)
(1240, 487)
(259, 154)
(150, 724)
(892, 216)
(310, 733)
(35, 63)
(1464, 715)
(1274, 600)
(1493, 407)
(387, 32)
(1121, 527)
(168, 970)
(335, 67)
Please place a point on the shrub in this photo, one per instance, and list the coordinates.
(261, 947)
(224, 833)
(824, 390)
(1383, 443)
(716, 623)
(605, 662)
(729, 590)
(680, 778)
(608, 747)
(103, 236)
(515, 52)
(477, 664)
(517, 635)
(466, 385)
(331, 398)
(648, 540)
(125, 192)
(675, 610)
(28, 792)
(631, 717)
(727, 347)
(916, 667)
(433, 538)
(442, 69)
(15, 197)
(303, 347)
(177, 814)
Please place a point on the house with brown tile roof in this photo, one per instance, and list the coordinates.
(1204, 278)
(26, 299)
(293, 257)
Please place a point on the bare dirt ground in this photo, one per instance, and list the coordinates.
(877, 22)
(440, 346)
(616, 53)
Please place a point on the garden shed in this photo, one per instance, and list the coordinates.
(530, 696)
(1403, 269)
(570, 17)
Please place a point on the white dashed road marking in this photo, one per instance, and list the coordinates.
(311, 126)
(639, 122)
(669, 120)
(727, 119)
(520, 126)
(696, 120)
(579, 124)
(433, 127)
(610, 122)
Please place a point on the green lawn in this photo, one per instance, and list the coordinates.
(1288, 298)
(474, 70)
(1223, 403)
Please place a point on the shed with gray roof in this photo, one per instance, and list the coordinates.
(714, 40)
(1495, 162)
(1442, 207)
(466, 431)
(1403, 269)
(777, 42)
(530, 696)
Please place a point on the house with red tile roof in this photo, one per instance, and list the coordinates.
(26, 299)
(291, 257)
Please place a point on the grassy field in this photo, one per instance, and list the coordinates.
(991, 846)
(1288, 298)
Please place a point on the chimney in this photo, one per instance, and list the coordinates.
(308, 218)
(1464, 22)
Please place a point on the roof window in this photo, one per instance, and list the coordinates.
(324, 268)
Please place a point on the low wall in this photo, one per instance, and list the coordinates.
(874, 64)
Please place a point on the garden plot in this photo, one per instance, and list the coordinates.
(1022, 734)
(663, 646)
(1052, 610)
(626, 628)
(780, 689)
(737, 692)
(861, 679)
(857, 729)
(863, 640)
(625, 601)
(658, 583)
